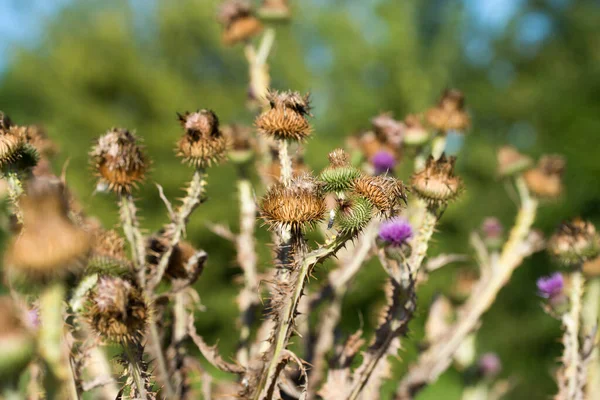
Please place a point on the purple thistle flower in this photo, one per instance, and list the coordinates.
(550, 286)
(492, 227)
(489, 365)
(383, 161)
(395, 232)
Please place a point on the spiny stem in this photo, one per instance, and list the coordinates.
(131, 228)
(15, 189)
(591, 311)
(286, 162)
(132, 355)
(159, 359)
(195, 192)
(438, 146)
(571, 321)
(420, 244)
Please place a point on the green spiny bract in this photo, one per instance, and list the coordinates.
(353, 214)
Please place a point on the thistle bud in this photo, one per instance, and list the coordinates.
(15, 153)
(574, 243)
(49, 244)
(119, 160)
(414, 133)
(386, 193)
(436, 184)
(17, 344)
(353, 214)
(275, 10)
(545, 181)
(239, 22)
(492, 232)
(297, 206)
(286, 119)
(108, 251)
(203, 142)
(339, 175)
(395, 232)
(242, 144)
(449, 114)
(511, 162)
(117, 310)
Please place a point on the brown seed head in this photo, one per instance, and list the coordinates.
(388, 129)
(436, 184)
(203, 142)
(241, 142)
(339, 158)
(511, 162)
(574, 243)
(296, 206)
(49, 245)
(12, 140)
(238, 20)
(449, 114)
(545, 180)
(178, 266)
(286, 119)
(386, 193)
(119, 160)
(117, 310)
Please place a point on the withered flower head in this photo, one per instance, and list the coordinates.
(545, 180)
(181, 264)
(203, 142)
(17, 344)
(108, 251)
(339, 176)
(388, 129)
(49, 244)
(286, 119)
(241, 142)
(117, 310)
(511, 162)
(15, 152)
(297, 206)
(386, 193)
(449, 114)
(275, 10)
(437, 184)
(119, 160)
(238, 20)
(574, 243)
(414, 133)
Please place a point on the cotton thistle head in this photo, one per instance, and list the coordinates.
(395, 232)
(339, 176)
(286, 118)
(49, 245)
(353, 214)
(16, 153)
(383, 161)
(511, 162)
(552, 288)
(545, 180)
(296, 206)
(388, 129)
(203, 142)
(449, 114)
(574, 243)
(17, 344)
(238, 20)
(437, 184)
(386, 193)
(117, 310)
(119, 160)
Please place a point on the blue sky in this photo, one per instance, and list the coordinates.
(22, 22)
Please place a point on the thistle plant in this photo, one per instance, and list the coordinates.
(131, 292)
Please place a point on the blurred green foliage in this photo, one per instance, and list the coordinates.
(104, 63)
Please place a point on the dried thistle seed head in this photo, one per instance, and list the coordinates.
(297, 206)
(449, 114)
(388, 129)
(203, 142)
(15, 153)
(386, 193)
(117, 310)
(574, 243)
(275, 10)
(511, 162)
(179, 265)
(17, 343)
(545, 180)
(238, 20)
(108, 252)
(119, 160)
(49, 246)
(353, 214)
(414, 133)
(339, 175)
(437, 184)
(241, 143)
(286, 119)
